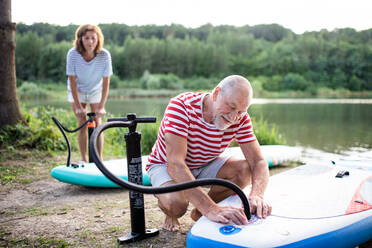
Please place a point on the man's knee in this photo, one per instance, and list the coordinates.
(243, 173)
(237, 171)
(172, 204)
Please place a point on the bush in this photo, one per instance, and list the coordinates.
(52, 61)
(170, 81)
(114, 81)
(153, 83)
(257, 85)
(355, 84)
(265, 134)
(40, 133)
(160, 81)
(30, 90)
(294, 81)
(273, 84)
(149, 135)
(201, 83)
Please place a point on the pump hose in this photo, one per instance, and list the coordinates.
(157, 190)
(61, 128)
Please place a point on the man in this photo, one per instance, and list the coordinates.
(195, 130)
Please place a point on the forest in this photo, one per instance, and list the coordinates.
(272, 54)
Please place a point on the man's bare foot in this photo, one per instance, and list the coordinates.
(195, 214)
(171, 224)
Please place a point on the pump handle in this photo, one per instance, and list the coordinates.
(138, 119)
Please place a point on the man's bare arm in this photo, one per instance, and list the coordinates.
(179, 172)
(260, 178)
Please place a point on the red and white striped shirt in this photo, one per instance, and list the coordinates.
(183, 117)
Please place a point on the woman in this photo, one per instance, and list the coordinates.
(88, 69)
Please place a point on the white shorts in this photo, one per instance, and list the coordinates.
(86, 98)
(158, 172)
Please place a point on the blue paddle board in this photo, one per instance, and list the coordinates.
(91, 176)
(311, 208)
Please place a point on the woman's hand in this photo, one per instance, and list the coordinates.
(80, 111)
(100, 112)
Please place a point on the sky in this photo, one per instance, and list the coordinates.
(298, 15)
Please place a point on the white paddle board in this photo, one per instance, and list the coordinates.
(311, 207)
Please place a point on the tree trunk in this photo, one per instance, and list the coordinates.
(10, 113)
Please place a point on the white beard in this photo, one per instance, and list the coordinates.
(221, 123)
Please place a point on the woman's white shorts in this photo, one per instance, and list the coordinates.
(86, 98)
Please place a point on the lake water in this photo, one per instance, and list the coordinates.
(330, 125)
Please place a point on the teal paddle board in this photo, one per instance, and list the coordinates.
(89, 175)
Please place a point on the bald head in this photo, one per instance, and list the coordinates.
(236, 85)
(229, 101)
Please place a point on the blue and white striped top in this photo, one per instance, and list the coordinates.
(88, 74)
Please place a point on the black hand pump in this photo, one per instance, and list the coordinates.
(134, 184)
(91, 126)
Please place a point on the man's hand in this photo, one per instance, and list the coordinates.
(259, 206)
(227, 214)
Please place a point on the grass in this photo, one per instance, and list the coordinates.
(40, 242)
(25, 166)
(114, 229)
(267, 134)
(35, 211)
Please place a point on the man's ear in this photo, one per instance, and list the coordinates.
(215, 92)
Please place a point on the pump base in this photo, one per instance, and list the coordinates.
(133, 237)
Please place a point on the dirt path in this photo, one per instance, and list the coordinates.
(50, 212)
(38, 211)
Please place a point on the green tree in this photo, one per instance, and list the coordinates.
(52, 62)
(294, 81)
(28, 50)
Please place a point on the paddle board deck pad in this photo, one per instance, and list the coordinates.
(311, 207)
(91, 176)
